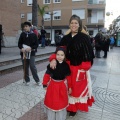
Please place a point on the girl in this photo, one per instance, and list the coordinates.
(55, 82)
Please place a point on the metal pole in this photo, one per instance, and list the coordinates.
(51, 25)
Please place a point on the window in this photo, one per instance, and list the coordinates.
(79, 12)
(56, 1)
(47, 1)
(29, 2)
(47, 17)
(57, 15)
(29, 17)
(77, 0)
(22, 1)
(22, 15)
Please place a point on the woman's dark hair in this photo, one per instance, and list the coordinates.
(75, 17)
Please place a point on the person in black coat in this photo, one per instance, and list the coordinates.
(98, 44)
(28, 44)
(106, 46)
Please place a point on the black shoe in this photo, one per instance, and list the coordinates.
(72, 114)
(104, 56)
(98, 57)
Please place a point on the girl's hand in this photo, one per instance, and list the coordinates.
(53, 64)
(69, 91)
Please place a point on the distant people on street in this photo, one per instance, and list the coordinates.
(61, 35)
(115, 38)
(112, 41)
(28, 44)
(43, 34)
(56, 83)
(106, 44)
(34, 28)
(57, 38)
(39, 38)
(47, 42)
(92, 40)
(98, 43)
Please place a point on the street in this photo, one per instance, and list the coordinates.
(20, 102)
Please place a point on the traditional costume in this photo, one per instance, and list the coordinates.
(56, 98)
(79, 55)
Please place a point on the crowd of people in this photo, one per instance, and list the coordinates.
(67, 79)
(103, 42)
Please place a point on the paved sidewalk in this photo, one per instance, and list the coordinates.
(14, 52)
(20, 102)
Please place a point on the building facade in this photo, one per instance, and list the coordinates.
(92, 13)
(10, 21)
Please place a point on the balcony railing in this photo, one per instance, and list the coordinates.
(96, 2)
(92, 20)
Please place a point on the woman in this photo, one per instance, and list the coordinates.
(79, 55)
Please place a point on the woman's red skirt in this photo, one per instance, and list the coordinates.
(56, 97)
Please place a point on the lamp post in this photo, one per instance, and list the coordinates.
(51, 16)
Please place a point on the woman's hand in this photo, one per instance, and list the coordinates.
(53, 64)
(69, 91)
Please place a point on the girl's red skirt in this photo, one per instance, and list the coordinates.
(56, 97)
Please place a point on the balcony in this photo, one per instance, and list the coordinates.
(94, 21)
(96, 2)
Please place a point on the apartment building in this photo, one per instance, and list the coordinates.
(10, 21)
(92, 13)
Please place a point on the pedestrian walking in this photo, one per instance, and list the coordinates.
(43, 34)
(79, 56)
(34, 29)
(28, 44)
(56, 84)
(112, 41)
(57, 39)
(98, 43)
(106, 45)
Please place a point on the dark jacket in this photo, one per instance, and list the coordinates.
(79, 48)
(43, 33)
(29, 39)
(99, 41)
(106, 44)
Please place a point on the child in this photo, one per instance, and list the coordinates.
(28, 44)
(54, 81)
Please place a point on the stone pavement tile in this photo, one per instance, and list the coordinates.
(17, 98)
(102, 83)
(17, 75)
(3, 116)
(36, 113)
(91, 115)
(110, 116)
